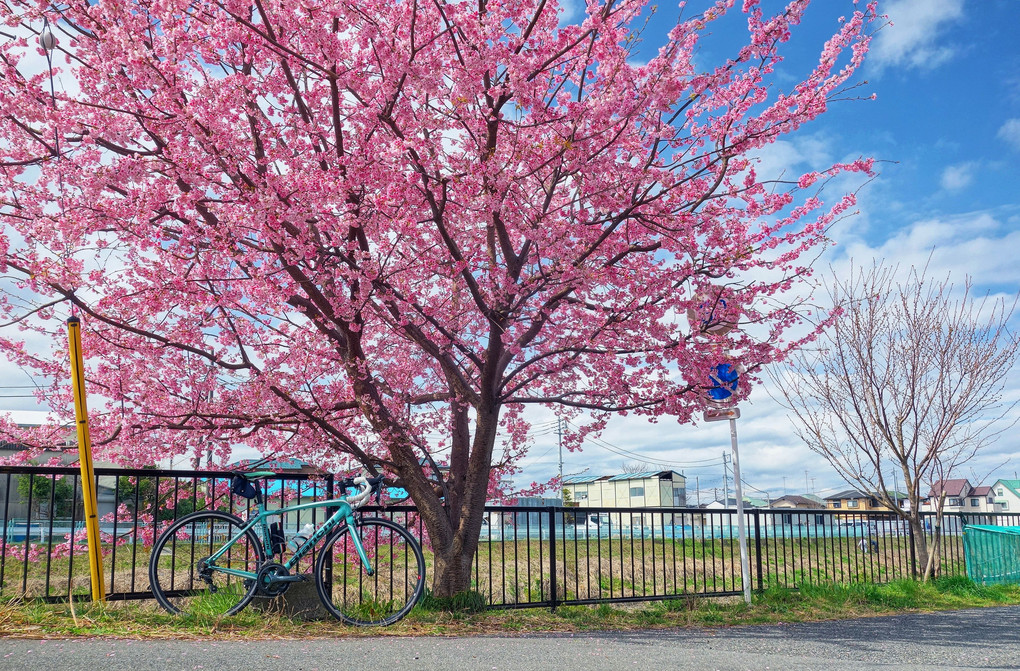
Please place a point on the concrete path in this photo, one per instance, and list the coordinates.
(986, 638)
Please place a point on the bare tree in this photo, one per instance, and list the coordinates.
(909, 376)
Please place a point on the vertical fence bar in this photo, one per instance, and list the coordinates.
(74, 522)
(552, 558)
(113, 540)
(28, 536)
(49, 555)
(5, 535)
(757, 547)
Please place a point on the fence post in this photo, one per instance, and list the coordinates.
(552, 558)
(757, 546)
(327, 579)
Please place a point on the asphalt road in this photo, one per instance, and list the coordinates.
(986, 638)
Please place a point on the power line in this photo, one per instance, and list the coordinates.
(640, 457)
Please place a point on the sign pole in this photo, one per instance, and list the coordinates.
(745, 564)
(88, 477)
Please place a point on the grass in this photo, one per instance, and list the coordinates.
(142, 619)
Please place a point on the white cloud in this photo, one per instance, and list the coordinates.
(913, 38)
(959, 176)
(1010, 132)
(969, 244)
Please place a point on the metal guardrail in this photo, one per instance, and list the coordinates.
(526, 556)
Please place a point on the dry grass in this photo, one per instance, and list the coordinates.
(26, 619)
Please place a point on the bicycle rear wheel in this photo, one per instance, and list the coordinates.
(185, 581)
(353, 595)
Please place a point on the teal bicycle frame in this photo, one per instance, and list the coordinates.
(257, 522)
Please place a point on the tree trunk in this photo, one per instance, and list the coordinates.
(451, 573)
(920, 545)
(454, 521)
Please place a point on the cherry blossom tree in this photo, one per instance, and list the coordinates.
(374, 233)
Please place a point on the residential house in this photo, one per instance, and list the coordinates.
(651, 489)
(18, 506)
(794, 502)
(797, 502)
(731, 504)
(852, 501)
(960, 497)
(1007, 496)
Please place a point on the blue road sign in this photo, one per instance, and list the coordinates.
(724, 382)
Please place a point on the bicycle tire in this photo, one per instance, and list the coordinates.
(175, 565)
(353, 596)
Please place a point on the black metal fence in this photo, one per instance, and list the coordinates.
(527, 556)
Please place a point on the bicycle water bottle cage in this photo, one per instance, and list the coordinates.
(241, 487)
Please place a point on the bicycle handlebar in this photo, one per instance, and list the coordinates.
(367, 487)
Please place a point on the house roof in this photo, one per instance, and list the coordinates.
(956, 487)
(846, 494)
(732, 503)
(281, 466)
(582, 479)
(854, 494)
(797, 500)
(642, 476)
(1011, 485)
(983, 490)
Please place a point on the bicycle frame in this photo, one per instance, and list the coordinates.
(343, 515)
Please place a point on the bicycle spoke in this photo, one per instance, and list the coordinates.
(185, 581)
(355, 597)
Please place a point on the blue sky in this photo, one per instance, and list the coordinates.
(945, 126)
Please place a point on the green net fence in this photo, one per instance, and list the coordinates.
(992, 553)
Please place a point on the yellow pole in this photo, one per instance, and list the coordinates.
(88, 477)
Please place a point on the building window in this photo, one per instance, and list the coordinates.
(953, 501)
(637, 491)
(836, 504)
(852, 503)
(974, 503)
(1005, 505)
(581, 496)
(1000, 491)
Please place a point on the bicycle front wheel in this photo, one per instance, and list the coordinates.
(183, 577)
(377, 595)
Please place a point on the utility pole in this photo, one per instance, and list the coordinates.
(726, 481)
(559, 438)
(784, 486)
(806, 490)
(697, 488)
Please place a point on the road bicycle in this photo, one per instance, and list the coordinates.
(369, 571)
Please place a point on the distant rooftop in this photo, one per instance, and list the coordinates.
(584, 479)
